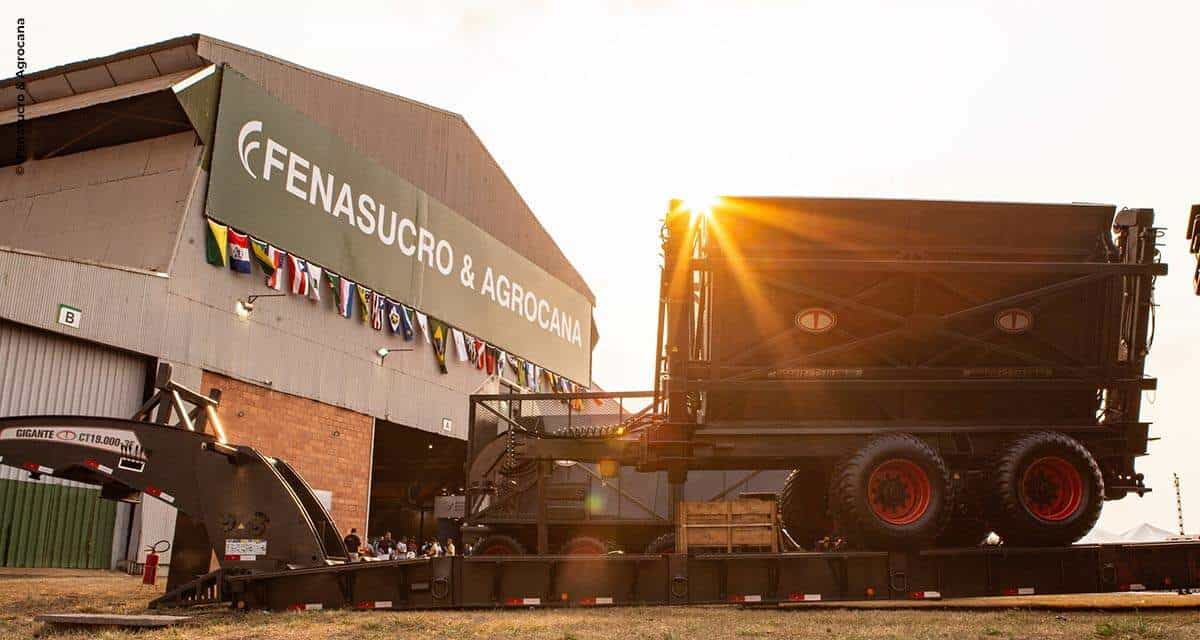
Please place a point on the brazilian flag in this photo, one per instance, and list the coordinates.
(216, 247)
(439, 343)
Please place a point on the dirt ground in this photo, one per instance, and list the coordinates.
(26, 593)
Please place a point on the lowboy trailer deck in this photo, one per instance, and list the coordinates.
(276, 547)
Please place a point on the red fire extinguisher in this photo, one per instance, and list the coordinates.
(150, 568)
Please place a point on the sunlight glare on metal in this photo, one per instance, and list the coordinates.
(699, 205)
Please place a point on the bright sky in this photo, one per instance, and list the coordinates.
(601, 112)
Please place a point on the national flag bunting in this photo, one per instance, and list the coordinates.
(480, 354)
(261, 252)
(519, 365)
(460, 345)
(406, 322)
(215, 243)
(423, 322)
(438, 338)
(491, 358)
(469, 340)
(378, 310)
(239, 252)
(365, 303)
(275, 279)
(299, 271)
(393, 317)
(314, 282)
(346, 293)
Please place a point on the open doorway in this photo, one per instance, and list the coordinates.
(410, 468)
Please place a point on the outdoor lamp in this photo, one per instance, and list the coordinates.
(383, 352)
(243, 308)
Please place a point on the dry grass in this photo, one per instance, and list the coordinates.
(24, 595)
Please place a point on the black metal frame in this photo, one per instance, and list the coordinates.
(747, 579)
(690, 367)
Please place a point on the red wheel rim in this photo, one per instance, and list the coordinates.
(899, 492)
(1052, 489)
(585, 548)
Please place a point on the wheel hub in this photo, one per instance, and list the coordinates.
(1052, 489)
(899, 492)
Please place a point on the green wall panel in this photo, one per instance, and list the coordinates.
(43, 525)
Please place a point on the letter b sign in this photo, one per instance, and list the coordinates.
(69, 316)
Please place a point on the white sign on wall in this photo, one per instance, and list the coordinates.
(69, 316)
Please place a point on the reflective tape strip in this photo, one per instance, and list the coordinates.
(159, 493)
(804, 597)
(926, 595)
(1137, 586)
(92, 464)
(1020, 591)
(746, 598)
(240, 558)
(374, 604)
(588, 602)
(311, 606)
(523, 602)
(33, 467)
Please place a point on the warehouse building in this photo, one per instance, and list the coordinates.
(345, 265)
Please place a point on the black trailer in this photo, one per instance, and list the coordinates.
(277, 548)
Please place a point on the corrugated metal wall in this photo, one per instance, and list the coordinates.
(53, 522)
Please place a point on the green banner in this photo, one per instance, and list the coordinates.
(286, 180)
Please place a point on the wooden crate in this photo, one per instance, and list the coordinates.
(727, 526)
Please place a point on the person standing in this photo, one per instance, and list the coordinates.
(352, 542)
(386, 545)
(450, 546)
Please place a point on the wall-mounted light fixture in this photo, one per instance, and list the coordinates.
(383, 352)
(243, 308)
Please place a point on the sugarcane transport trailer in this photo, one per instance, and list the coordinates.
(900, 349)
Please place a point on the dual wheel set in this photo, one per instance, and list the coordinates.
(897, 492)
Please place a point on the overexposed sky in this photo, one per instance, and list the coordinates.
(600, 112)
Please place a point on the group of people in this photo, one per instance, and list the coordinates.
(389, 548)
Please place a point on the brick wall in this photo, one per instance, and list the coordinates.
(329, 446)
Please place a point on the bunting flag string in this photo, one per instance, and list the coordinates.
(239, 252)
(227, 247)
(216, 237)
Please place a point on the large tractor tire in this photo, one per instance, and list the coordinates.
(1047, 491)
(499, 545)
(584, 546)
(804, 506)
(893, 493)
(662, 544)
